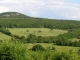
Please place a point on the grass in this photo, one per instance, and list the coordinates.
(4, 37)
(74, 39)
(58, 48)
(43, 31)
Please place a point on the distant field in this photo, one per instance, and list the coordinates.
(74, 39)
(4, 37)
(36, 31)
(58, 48)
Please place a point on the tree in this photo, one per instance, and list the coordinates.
(31, 38)
(39, 31)
(38, 48)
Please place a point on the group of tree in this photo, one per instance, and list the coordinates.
(39, 39)
(5, 31)
(30, 22)
(62, 39)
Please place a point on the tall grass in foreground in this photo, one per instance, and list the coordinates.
(18, 51)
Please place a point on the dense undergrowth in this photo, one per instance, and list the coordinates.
(14, 50)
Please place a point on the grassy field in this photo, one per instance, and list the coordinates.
(58, 48)
(4, 37)
(74, 39)
(39, 32)
(36, 31)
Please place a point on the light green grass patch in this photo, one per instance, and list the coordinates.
(58, 48)
(74, 39)
(44, 31)
(4, 37)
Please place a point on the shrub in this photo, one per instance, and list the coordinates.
(12, 51)
(53, 48)
(27, 30)
(38, 48)
(39, 31)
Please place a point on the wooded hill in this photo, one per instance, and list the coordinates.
(18, 20)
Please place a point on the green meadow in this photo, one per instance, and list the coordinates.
(57, 48)
(44, 32)
(36, 31)
(4, 37)
(74, 39)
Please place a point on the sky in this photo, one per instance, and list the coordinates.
(52, 9)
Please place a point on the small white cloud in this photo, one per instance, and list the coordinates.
(34, 13)
(3, 9)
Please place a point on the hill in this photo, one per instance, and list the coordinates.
(19, 20)
(12, 15)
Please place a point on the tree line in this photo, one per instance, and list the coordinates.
(30, 22)
(62, 39)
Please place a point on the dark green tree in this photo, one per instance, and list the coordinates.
(38, 48)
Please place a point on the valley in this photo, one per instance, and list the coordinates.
(28, 38)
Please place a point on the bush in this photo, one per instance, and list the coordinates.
(12, 51)
(27, 30)
(39, 31)
(38, 48)
(53, 48)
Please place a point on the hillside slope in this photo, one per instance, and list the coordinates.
(18, 20)
(12, 15)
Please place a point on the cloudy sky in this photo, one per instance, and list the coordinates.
(53, 9)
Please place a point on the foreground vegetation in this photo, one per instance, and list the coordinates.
(14, 50)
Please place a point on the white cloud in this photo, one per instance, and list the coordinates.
(64, 8)
(34, 13)
(3, 9)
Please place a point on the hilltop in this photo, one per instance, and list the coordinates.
(12, 15)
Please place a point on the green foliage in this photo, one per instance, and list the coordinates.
(31, 38)
(63, 56)
(63, 39)
(5, 31)
(12, 51)
(79, 51)
(53, 48)
(38, 48)
(27, 30)
(22, 21)
(39, 31)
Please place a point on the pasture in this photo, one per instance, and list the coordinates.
(74, 39)
(57, 48)
(36, 31)
(4, 37)
(39, 32)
